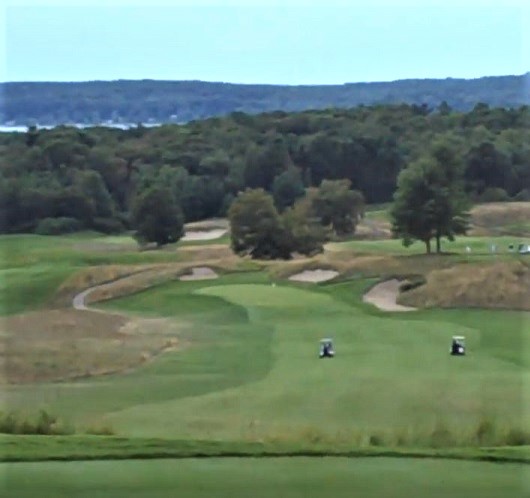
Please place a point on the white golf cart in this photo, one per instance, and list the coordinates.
(458, 346)
(326, 348)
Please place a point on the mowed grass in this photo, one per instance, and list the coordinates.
(264, 478)
(32, 267)
(251, 370)
(480, 246)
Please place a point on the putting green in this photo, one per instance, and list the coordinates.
(263, 478)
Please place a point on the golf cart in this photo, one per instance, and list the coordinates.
(458, 346)
(326, 348)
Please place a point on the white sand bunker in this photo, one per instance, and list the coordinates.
(314, 276)
(384, 296)
(200, 273)
(204, 234)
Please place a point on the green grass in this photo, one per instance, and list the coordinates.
(480, 246)
(251, 371)
(27, 448)
(273, 477)
(32, 267)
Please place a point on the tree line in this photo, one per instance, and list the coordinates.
(67, 179)
(130, 101)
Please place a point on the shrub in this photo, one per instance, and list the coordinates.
(494, 195)
(485, 432)
(517, 437)
(523, 195)
(412, 283)
(108, 225)
(376, 440)
(441, 437)
(43, 424)
(58, 226)
(100, 430)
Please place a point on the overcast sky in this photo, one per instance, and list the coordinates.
(281, 42)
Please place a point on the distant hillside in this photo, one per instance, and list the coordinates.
(182, 101)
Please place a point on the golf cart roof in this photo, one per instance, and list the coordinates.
(326, 340)
(458, 338)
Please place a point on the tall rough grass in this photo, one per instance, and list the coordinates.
(486, 433)
(45, 424)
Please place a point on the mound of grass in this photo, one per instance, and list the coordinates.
(503, 285)
(501, 218)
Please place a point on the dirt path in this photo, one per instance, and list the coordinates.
(384, 296)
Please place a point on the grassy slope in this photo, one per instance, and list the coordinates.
(252, 370)
(480, 246)
(292, 478)
(32, 266)
(389, 373)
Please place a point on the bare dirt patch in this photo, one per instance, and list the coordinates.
(384, 296)
(199, 273)
(58, 345)
(314, 276)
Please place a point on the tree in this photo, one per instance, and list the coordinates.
(90, 184)
(157, 217)
(287, 187)
(306, 233)
(338, 206)
(255, 226)
(430, 201)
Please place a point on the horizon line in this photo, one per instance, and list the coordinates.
(118, 80)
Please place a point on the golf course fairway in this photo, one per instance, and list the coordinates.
(266, 478)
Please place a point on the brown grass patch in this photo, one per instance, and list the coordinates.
(152, 277)
(373, 229)
(504, 285)
(92, 276)
(67, 344)
(349, 265)
(501, 218)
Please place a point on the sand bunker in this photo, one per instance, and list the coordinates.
(200, 273)
(314, 276)
(384, 296)
(194, 235)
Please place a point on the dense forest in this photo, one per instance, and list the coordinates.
(145, 101)
(65, 178)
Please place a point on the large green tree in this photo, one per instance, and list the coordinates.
(255, 226)
(305, 232)
(337, 205)
(430, 202)
(287, 187)
(157, 218)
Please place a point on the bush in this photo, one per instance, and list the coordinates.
(494, 195)
(522, 196)
(412, 283)
(517, 437)
(58, 226)
(108, 225)
(43, 424)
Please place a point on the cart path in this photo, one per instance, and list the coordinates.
(384, 296)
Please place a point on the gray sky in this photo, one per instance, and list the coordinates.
(289, 42)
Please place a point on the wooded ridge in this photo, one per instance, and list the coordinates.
(133, 101)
